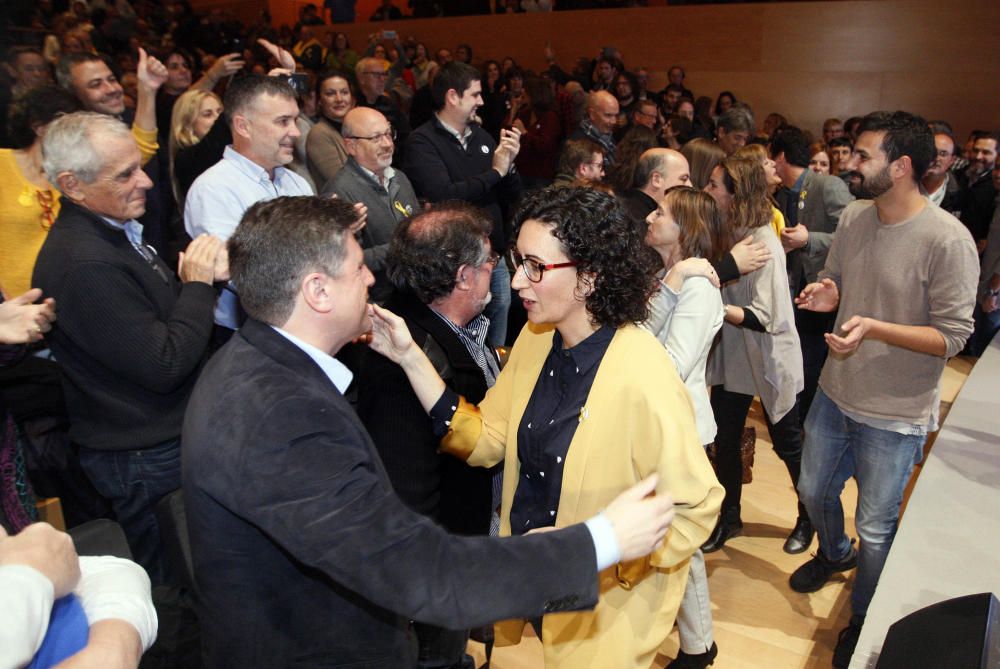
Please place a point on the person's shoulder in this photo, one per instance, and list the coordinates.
(943, 225)
(701, 289)
(640, 357)
(858, 210)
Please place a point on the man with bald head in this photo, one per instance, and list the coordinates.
(368, 177)
(658, 171)
(598, 124)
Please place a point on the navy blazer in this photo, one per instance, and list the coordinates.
(302, 553)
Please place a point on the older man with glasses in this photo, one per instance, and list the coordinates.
(368, 177)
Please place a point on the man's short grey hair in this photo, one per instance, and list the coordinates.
(736, 119)
(70, 144)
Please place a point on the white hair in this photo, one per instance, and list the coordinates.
(70, 144)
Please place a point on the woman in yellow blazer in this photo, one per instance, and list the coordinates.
(587, 405)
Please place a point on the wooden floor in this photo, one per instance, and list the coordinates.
(759, 621)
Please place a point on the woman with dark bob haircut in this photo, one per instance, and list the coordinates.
(587, 405)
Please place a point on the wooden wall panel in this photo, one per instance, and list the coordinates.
(808, 60)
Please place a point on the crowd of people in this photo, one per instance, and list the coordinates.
(372, 310)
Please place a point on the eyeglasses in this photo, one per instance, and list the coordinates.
(377, 74)
(534, 270)
(389, 134)
(492, 260)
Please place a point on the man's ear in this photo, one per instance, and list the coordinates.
(315, 291)
(241, 126)
(462, 277)
(452, 97)
(69, 186)
(902, 166)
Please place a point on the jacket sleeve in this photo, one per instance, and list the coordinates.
(768, 285)
(26, 598)
(478, 434)
(131, 340)
(146, 141)
(835, 197)
(338, 515)
(697, 316)
(666, 441)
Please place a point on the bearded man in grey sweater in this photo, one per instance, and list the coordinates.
(903, 273)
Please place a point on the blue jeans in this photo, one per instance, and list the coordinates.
(134, 481)
(497, 309)
(836, 448)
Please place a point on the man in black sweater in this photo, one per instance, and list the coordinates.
(131, 337)
(452, 158)
(440, 264)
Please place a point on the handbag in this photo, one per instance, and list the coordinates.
(748, 443)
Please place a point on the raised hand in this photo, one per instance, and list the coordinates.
(821, 296)
(225, 66)
(150, 72)
(285, 59)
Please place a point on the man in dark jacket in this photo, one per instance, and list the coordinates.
(440, 264)
(452, 158)
(303, 555)
(130, 337)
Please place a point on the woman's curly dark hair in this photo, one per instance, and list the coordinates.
(599, 236)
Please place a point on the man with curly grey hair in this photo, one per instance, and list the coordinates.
(131, 335)
(439, 264)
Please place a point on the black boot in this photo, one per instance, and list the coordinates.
(801, 537)
(696, 661)
(729, 525)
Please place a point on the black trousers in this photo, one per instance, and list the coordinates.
(730, 410)
(811, 326)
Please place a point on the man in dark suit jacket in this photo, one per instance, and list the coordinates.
(440, 264)
(302, 553)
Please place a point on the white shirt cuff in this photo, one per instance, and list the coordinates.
(113, 588)
(605, 542)
(26, 598)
